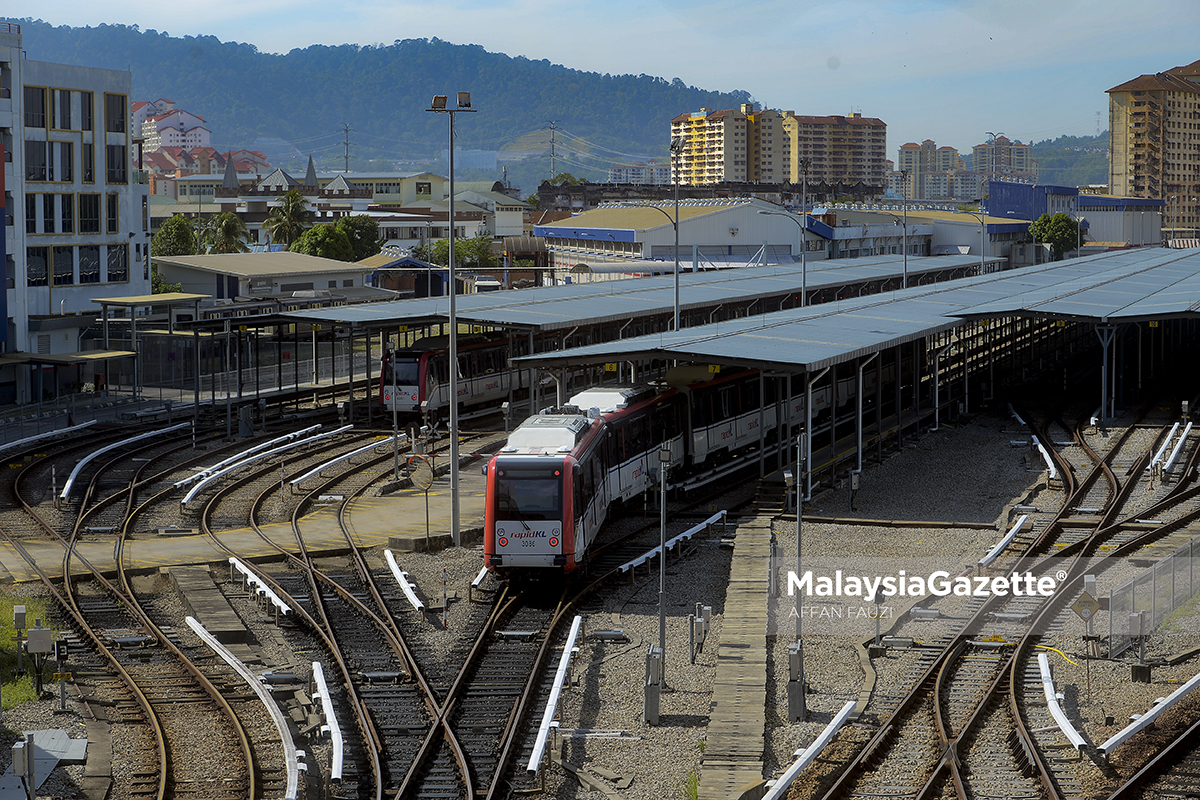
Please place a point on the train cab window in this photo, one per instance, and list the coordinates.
(407, 371)
(665, 424)
(725, 398)
(528, 493)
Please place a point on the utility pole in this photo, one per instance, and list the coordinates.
(552, 143)
(346, 130)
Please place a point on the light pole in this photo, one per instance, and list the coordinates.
(1174, 217)
(803, 246)
(905, 173)
(395, 417)
(438, 106)
(797, 699)
(676, 150)
(982, 240)
(664, 460)
(674, 222)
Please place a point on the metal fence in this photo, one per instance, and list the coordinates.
(1158, 591)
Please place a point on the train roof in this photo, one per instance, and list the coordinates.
(611, 398)
(546, 434)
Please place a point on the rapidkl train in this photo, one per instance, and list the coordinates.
(551, 487)
(416, 379)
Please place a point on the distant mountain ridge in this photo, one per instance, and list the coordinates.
(382, 91)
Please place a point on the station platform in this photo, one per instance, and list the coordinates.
(394, 520)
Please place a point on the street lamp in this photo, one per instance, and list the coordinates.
(982, 241)
(905, 173)
(676, 150)
(438, 106)
(675, 223)
(803, 247)
(797, 700)
(1174, 216)
(993, 150)
(664, 461)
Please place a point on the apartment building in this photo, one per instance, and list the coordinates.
(76, 215)
(640, 174)
(766, 146)
(1003, 159)
(1154, 144)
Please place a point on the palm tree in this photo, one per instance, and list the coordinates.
(224, 233)
(289, 219)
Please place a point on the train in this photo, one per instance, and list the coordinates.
(415, 379)
(562, 471)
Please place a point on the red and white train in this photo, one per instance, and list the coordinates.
(416, 379)
(550, 489)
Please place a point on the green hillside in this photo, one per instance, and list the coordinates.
(1072, 160)
(249, 98)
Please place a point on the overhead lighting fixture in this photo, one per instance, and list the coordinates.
(464, 100)
(439, 101)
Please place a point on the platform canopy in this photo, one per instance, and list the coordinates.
(1127, 286)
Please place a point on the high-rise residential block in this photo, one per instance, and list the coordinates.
(766, 146)
(1154, 144)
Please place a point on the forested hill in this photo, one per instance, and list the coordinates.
(382, 91)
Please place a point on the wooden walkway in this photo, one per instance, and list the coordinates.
(733, 753)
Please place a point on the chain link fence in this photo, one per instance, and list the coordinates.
(1158, 591)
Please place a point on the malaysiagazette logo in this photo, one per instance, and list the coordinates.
(939, 583)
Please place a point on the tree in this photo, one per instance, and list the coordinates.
(324, 241)
(565, 179)
(363, 233)
(176, 237)
(158, 285)
(224, 233)
(474, 252)
(535, 201)
(1059, 231)
(289, 219)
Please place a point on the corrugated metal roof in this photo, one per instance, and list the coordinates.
(262, 264)
(1127, 285)
(550, 308)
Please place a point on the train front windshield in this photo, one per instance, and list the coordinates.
(529, 493)
(407, 372)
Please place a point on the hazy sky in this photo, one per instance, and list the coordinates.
(945, 70)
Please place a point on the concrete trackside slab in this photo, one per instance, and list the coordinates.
(733, 753)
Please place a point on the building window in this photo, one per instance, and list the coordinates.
(35, 161)
(89, 213)
(31, 213)
(89, 263)
(113, 212)
(63, 109)
(114, 113)
(36, 259)
(86, 101)
(63, 168)
(116, 163)
(35, 107)
(64, 266)
(118, 263)
(88, 163)
(146, 213)
(424, 188)
(48, 215)
(67, 207)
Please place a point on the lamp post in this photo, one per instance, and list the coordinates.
(797, 699)
(803, 246)
(674, 222)
(1174, 217)
(676, 150)
(905, 173)
(982, 242)
(993, 151)
(395, 417)
(664, 460)
(438, 106)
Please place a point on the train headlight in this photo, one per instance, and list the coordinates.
(503, 541)
(554, 541)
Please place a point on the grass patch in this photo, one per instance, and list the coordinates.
(690, 790)
(16, 690)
